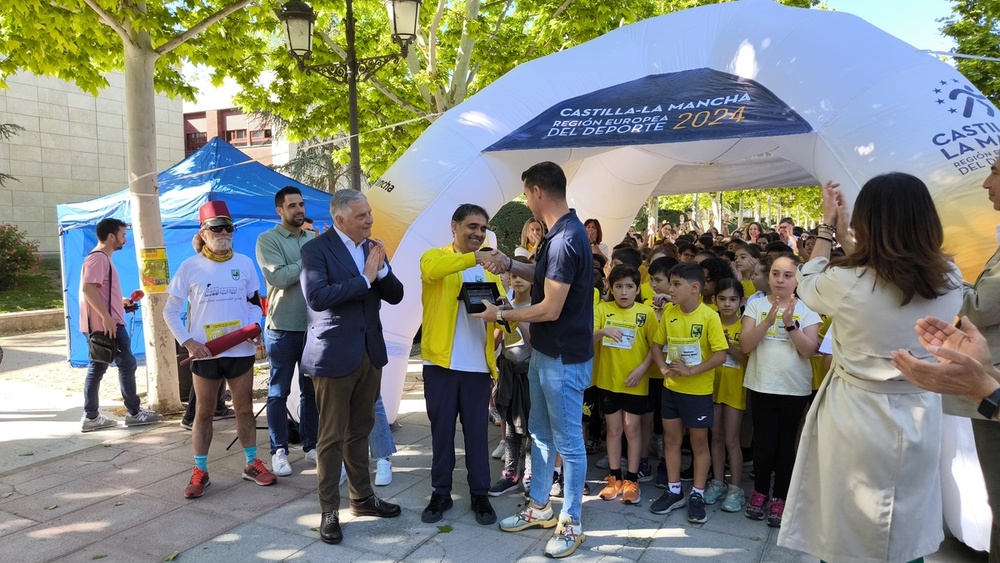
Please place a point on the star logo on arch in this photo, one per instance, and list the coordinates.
(966, 99)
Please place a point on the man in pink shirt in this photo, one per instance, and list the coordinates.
(102, 309)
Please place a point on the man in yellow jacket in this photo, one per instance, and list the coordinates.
(459, 363)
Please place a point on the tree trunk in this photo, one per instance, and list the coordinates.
(147, 226)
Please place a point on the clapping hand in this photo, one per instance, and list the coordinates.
(788, 316)
(834, 204)
(935, 334)
(375, 260)
(964, 360)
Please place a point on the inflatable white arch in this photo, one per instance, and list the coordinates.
(728, 96)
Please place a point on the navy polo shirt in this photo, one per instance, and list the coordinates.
(565, 256)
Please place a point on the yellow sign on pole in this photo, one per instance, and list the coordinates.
(155, 272)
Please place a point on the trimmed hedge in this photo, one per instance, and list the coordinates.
(507, 225)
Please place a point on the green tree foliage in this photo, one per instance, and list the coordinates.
(462, 47)
(507, 224)
(975, 27)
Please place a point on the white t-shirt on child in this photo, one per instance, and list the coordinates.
(775, 366)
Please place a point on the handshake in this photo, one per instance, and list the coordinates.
(494, 261)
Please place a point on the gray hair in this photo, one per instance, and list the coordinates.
(340, 203)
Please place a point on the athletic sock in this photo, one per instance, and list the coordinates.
(250, 453)
(201, 462)
(697, 490)
(629, 476)
(558, 470)
(675, 488)
(617, 473)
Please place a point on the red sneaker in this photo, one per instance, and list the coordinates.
(199, 480)
(258, 473)
(776, 511)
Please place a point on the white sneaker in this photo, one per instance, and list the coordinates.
(99, 423)
(279, 463)
(343, 474)
(311, 456)
(383, 473)
(501, 449)
(142, 418)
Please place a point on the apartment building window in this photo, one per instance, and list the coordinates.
(237, 137)
(260, 137)
(194, 141)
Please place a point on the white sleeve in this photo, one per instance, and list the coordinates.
(172, 316)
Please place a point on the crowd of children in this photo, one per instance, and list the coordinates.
(701, 348)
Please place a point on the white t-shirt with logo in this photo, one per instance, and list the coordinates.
(217, 294)
(775, 366)
(468, 349)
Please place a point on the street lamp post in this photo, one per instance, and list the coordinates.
(297, 19)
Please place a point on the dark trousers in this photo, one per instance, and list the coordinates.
(776, 421)
(465, 396)
(126, 377)
(987, 434)
(346, 408)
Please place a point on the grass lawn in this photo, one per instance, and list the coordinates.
(41, 289)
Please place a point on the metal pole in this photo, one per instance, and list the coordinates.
(352, 99)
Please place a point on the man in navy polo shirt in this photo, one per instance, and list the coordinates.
(561, 316)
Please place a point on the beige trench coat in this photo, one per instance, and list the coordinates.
(866, 485)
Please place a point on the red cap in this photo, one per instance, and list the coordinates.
(214, 213)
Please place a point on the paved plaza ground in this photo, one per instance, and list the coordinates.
(115, 495)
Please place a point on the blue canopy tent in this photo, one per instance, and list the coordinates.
(217, 171)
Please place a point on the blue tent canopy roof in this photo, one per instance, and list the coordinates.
(217, 171)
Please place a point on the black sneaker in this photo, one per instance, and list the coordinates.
(696, 509)
(436, 508)
(557, 485)
(591, 446)
(667, 503)
(662, 482)
(506, 484)
(645, 472)
(586, 488)
(484, 511)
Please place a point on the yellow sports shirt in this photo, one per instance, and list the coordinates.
(691, 339)
(616, 360)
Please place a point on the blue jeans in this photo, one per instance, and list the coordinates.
(126, 377)
(380, 442)
(556, 425)
(284, 351)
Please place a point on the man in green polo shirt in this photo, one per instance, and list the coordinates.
(278, 254)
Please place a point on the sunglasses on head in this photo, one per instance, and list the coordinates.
(220, 228)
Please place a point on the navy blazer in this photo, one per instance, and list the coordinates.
(342, 313)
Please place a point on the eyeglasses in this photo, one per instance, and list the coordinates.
(220, 228)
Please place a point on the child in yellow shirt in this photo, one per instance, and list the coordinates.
(624, 331)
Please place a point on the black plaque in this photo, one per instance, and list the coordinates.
(473, 294)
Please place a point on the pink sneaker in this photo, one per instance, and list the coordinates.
(775, 512)
(757, 506)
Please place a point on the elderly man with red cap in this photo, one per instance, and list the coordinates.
(221, 288)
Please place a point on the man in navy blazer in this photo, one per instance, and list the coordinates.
(345, 277)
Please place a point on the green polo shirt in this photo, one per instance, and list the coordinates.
(279, 254)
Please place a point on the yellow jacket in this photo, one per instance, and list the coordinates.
(441, 281)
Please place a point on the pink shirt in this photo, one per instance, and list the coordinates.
(95, 271)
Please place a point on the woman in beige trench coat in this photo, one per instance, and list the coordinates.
(866, 485)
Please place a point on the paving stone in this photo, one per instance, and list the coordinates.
(69, 533)
(684, 544)
(249, 542)
(142, 472)
(62, 500)
(10, 523)
(177, 530)
(470, 542)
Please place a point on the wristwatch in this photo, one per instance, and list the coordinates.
(792, 327)
(499, 315)
(989, 406)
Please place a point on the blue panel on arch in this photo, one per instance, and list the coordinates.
(691, 105)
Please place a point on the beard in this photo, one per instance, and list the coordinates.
(220, 245)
